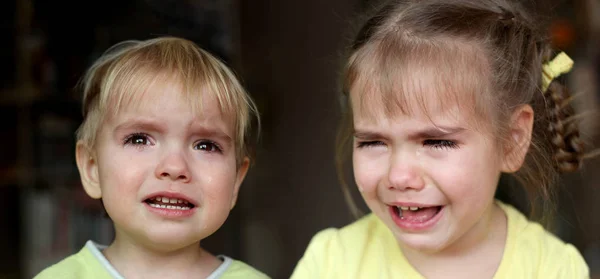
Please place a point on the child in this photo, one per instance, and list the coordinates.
(442, 97)
(165, 145)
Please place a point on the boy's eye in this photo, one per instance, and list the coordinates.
(440, 144)
(207, 146)
(363, 144)
(137, 139)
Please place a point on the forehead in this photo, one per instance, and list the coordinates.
(427, 82)
(168, 97)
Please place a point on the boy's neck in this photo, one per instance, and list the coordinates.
(482, 248)
(134, 260)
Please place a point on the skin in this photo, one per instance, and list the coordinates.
(438, 159)
(162, 145)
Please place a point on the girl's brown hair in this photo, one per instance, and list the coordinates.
(490, 51)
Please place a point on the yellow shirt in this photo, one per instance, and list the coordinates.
(89, 263)
(368, 249)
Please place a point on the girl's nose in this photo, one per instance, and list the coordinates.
(173, 166)
(404, 175)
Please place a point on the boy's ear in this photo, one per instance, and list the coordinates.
(88, 170)
(521, 127)
(241, 174)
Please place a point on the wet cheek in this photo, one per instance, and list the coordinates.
(216, 196)
(216, 183)
(122, 176)
(368, 174)
(465, 178)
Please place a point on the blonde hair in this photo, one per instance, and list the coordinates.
(130, 67)
(488, 52)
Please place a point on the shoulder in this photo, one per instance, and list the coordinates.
(80, 265)
(351, 237)
(333, 248)
(541, 250)
(239, 269)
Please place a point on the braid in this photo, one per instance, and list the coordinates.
(563, 130)
(516, 45)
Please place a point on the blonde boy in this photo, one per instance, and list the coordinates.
(164, 144)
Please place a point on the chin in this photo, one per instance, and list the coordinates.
(170, 245)
(170, 240)
(429, 244)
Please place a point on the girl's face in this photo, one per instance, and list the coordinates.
(430, 177)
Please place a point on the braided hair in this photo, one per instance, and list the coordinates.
(514, 46)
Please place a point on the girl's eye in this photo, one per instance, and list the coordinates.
(440, 144)
(207, 146)
(363, 144)
(137, 139)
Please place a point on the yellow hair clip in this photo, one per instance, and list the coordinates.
(561, 64)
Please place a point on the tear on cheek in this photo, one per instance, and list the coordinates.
(420, 159)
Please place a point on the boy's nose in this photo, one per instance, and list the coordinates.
(173, 167)
(403, 175)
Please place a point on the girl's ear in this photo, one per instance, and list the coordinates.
(521, 127)
(88, 170)
(241, 174)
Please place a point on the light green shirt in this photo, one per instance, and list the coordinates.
(90, 263)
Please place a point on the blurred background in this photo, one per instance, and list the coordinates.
(288, 55)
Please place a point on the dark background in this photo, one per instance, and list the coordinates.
(288, 55)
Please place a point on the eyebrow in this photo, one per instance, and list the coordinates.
(436, 132)
(142, 124)
(211, 133)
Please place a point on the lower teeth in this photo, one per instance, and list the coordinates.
(169, 206)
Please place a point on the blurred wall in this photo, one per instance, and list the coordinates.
(290, 53)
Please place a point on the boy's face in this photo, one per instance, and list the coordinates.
(167, 176)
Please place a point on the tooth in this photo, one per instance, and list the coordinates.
(158, 198)
(404, 207)
(165, 200)
(173, 201)
(185, 208)
(178, 207)
(162, 206)
(414, 208)
(179, 201)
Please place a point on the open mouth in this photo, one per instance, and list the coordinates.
(169, 203)
(416, 215)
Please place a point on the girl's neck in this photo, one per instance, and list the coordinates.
(135, 260)
(482, 248)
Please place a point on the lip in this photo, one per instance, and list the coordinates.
(171, 195)
(171, 213)
(415, 227)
